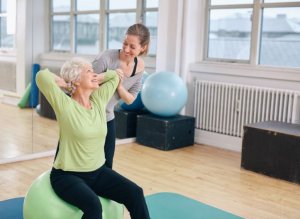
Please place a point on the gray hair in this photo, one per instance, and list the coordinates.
(71, 70)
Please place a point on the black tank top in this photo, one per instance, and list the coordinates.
(134, 67)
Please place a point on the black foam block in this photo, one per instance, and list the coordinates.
(126, 122)
(273, 149)
(165, 133)
(46, 109)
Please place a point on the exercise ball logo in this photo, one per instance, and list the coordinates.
(164, 94)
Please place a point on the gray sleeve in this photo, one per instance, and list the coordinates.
(136, 87)
(100, 64)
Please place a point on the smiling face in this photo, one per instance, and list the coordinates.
(88, 78)
(131, 46)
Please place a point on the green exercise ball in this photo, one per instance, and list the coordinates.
(41, 202)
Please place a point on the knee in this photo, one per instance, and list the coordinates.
(93, 205)
(137, 193)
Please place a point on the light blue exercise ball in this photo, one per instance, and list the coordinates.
(164, 94)
(41, 202)
(137, 103)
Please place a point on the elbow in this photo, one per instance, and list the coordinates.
(129, 100)
(38, 77)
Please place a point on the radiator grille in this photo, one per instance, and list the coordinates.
(225, 108)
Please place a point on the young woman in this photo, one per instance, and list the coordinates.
(128, 59)
(79, 175)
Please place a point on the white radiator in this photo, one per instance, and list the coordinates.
(224, 108)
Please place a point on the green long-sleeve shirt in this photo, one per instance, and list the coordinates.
(82, 131)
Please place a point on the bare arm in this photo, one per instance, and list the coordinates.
(127, 97)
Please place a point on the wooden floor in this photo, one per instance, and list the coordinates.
(210, 175)
(23, 131)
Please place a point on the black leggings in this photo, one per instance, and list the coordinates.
(110, 143)
(82, 189)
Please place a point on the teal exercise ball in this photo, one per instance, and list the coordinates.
(164, 94)
(41, 202)
(137, 103)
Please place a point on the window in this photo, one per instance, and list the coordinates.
(150, 20)
(75, 26)
(280, 37)
(229, 34)
(7, 23)
(90, 26)
(251, 31)
(120, 15)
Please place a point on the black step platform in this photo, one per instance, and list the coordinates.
(45, 108)
(273, 149)
(126, 122)
(165, 133)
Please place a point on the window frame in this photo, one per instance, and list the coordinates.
(7, 50)
(257, 7)
(103, 12)
(108, 11)
(72, 14)
(143, 18)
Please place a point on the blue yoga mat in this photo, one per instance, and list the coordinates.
(175, 206)
(161, 206)
(11, 208)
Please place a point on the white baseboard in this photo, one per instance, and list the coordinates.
(10, 99)
(218, 140)
(124, 141)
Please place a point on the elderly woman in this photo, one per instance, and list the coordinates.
(78, 175)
